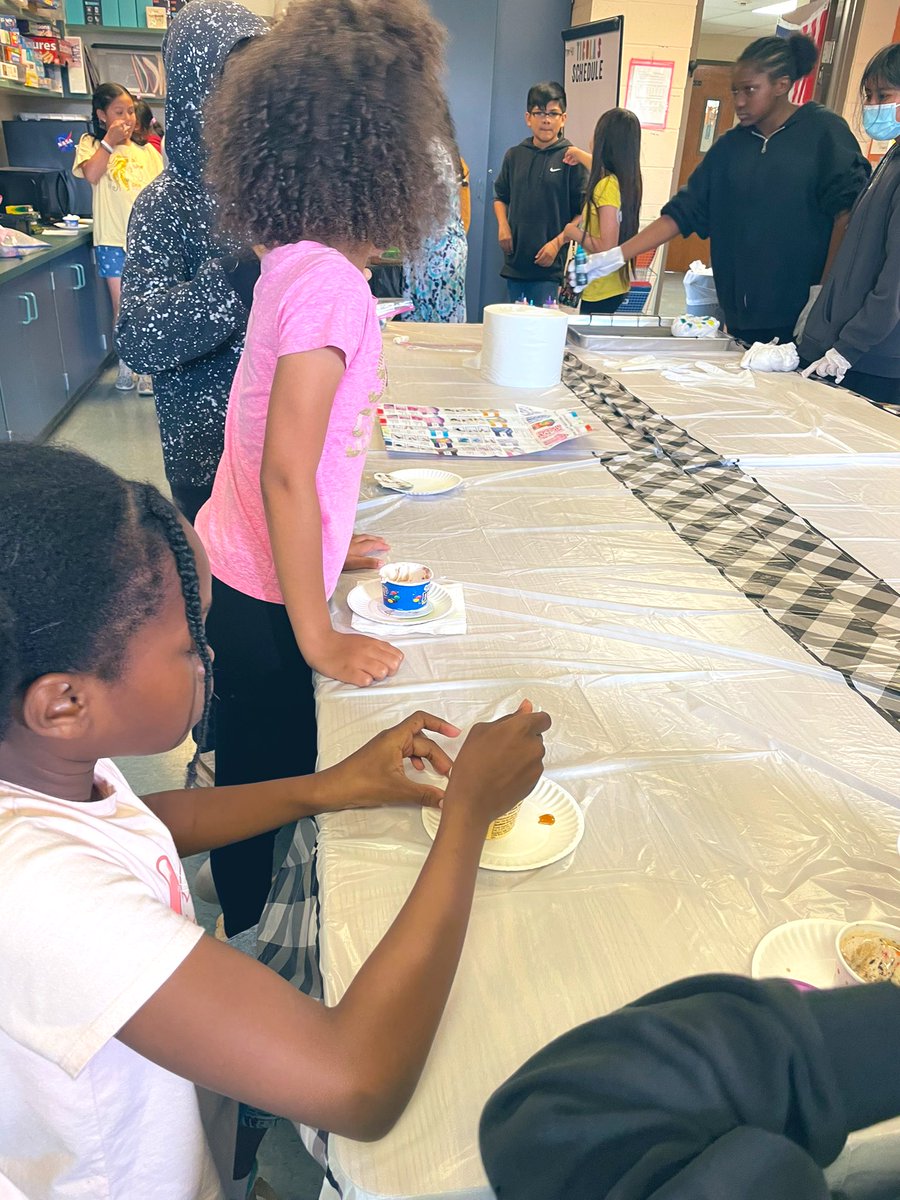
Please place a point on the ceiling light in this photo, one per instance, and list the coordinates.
(777, 10)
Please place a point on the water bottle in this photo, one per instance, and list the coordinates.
(580, 267)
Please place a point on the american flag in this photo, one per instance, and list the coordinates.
(814, 26)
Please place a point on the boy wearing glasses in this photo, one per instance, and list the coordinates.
(536, 195)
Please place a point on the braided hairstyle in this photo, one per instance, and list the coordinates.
(777, 57)
(83, 556)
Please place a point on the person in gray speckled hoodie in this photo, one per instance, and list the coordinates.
(186, 292)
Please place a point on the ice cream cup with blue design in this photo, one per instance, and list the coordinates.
(404, 586)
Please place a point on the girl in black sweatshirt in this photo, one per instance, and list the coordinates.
(768, 195)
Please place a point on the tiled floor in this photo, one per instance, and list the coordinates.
(119, 429)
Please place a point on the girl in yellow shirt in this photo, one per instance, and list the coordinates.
(117, 169)
(612, 211)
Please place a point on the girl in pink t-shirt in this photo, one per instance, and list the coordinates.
(331, 124)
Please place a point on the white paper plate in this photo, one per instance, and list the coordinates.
(365, 601)
(82, 223)
(800, 950)
(530, 844)
(425, 481)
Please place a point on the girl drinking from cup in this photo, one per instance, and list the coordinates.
(342, 165)
(116, 1011)
(117, 168)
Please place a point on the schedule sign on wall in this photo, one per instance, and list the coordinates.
(593, 66)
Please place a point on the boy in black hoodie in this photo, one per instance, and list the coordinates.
(536, 194)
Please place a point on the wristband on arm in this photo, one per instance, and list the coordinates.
(106, 146)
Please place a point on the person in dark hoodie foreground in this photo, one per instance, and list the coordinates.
(771, 195)
(709, 1088)
(852, 334)
(186, 291)
(535, 195)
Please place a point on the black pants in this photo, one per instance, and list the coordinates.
(189, 499)
(880, 388)
(609, 305)
(749, 336)
(265, 729)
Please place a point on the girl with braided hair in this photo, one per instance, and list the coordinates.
(111, 1014)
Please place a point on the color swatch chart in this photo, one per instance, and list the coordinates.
(478, 432)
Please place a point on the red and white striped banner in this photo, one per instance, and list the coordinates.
(811, 19)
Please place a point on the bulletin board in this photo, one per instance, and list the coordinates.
(649, 91)
(593, 71)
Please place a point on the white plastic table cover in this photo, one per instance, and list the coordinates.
(760, 418)
(729, 782)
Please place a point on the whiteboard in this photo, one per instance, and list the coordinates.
(593, 68)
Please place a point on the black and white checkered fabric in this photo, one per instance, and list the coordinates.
(840, 612)
(288, 941)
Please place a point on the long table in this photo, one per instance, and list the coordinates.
(730, 779)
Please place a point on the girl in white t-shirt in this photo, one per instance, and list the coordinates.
(117, 1010)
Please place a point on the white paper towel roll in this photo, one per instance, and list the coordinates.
(523, 346)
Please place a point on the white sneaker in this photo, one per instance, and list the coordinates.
(145, 385)
(125, 378)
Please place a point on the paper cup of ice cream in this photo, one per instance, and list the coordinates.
(502, 825)
(404, 586)
(867, 952)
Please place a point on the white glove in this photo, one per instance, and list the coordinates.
(831, 364)
(596, 266)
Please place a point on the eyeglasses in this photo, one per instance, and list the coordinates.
(546, 112)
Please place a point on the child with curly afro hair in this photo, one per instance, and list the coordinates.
(332, 124)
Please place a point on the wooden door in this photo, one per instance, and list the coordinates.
(710, 114)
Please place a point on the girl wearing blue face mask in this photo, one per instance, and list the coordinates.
(853, 332)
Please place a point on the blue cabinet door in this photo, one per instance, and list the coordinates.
(32, 377)
(82, 341)
(17, 381)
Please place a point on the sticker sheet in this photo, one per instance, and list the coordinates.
(478, 433)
